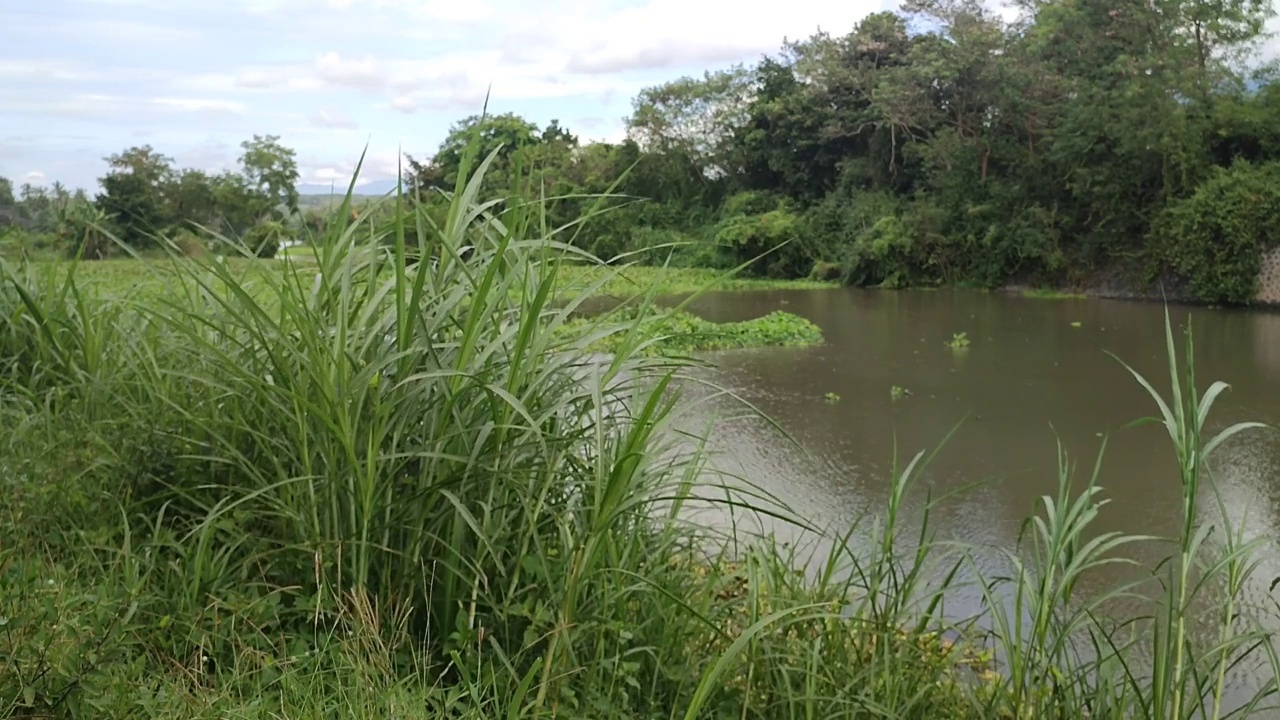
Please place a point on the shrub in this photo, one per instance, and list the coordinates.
(264, 238)
(15, 242)
(825, 271)
(1216, 237)
(750, 202)
(190, 244)
(832, 228)
(881, 255)
(773, 235)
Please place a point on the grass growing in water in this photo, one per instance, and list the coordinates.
(679, 331)
(382, 491)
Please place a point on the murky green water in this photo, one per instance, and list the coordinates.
(1036, 372)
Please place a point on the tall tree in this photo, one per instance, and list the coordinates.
(133, 194)
(507, 134)
(694, 118)
(271, 171)
(8, 203)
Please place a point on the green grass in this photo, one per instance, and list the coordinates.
(678, 331)
(153, 278)
(354, 488)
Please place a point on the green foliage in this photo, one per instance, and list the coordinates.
(677, 332)
(767, 240)
(882, 255)
(145, 201)
(132, 195)
(270, 170)
(1216, 237)
(15, 243)
(825, 271)
(263, 239)
(750, 202)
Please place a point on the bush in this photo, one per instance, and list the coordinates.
(190, 245)
(881, 255)
(1216, 237)
(823, 271)
(750, 236)
(264, 238)
(833, 226)
(750, 202)
(16, 242)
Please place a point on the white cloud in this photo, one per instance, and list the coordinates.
(210, 155)
(45, 71)
(333, 118)
(211, 105)
(670, 33)
(361, 74)
(404, 104)
(470, 12)
(35, 177)
(320, 171)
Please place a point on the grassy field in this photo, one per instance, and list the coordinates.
(154, 275)
(347, 488)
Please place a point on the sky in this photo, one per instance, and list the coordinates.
(83, 79)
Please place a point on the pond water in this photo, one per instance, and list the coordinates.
(1036, 372)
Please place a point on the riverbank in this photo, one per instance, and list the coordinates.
(224, 498)
(237, 492)
(1128, 283)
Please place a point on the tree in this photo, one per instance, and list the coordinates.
(133, 195)
(8, 203)
(693, 118)
(507, 134)
(192, 201)
(270, 170)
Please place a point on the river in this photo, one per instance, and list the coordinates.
(1036, 372)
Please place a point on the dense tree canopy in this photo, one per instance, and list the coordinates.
(978, 150)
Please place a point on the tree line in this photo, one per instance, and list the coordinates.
(946, 145)
(144, 199)
(942, 144)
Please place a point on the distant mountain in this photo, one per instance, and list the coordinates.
(377, 187)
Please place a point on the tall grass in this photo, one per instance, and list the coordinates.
(378, 487)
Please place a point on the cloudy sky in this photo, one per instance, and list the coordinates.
(81, 79)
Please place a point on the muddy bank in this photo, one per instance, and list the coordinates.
(1128, 283)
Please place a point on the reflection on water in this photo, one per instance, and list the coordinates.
(1037, 372)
